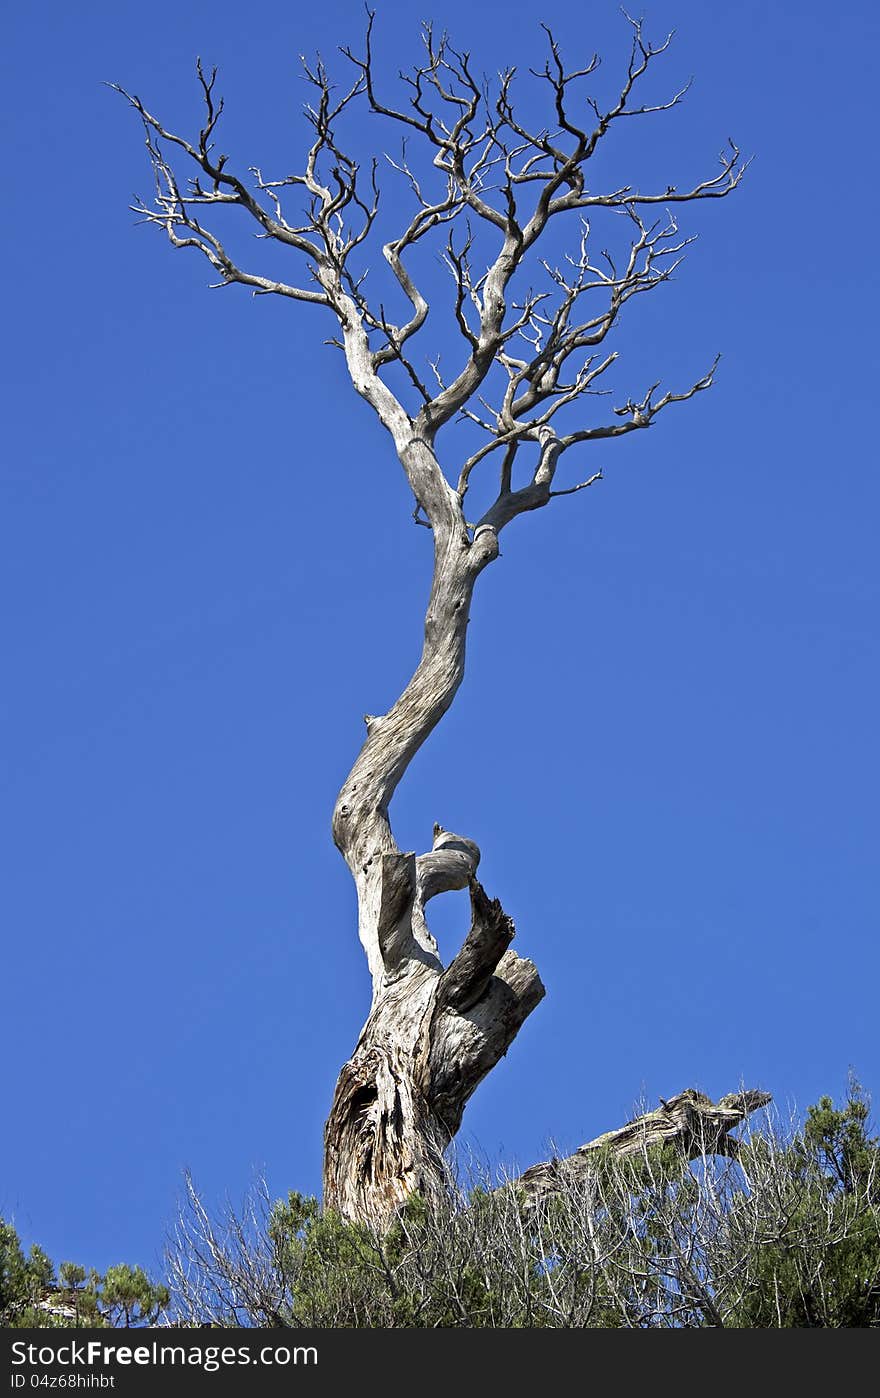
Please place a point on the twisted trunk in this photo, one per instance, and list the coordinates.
(433, 1032)
(432, 1035)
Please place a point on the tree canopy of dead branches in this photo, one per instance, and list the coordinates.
(533, 293)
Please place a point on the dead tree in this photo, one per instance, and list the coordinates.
(493, 187)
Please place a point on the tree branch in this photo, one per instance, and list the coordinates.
(689, 1122)
(528, 362)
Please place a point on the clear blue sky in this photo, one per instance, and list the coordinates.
(210, 573)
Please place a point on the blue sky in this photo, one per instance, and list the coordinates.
(211, 573)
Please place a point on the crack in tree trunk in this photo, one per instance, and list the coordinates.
(432, 1035)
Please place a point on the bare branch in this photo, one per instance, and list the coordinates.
(689, 1121)
(529, 355)
(573, 490)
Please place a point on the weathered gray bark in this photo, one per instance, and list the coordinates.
(432, 1035)
(433, 1032)
(691, 1122)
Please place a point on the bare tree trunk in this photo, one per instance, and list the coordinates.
(433, 1032)
(431, 1036)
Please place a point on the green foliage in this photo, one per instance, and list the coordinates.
(840, 1143)
(128, 1297)
(32, 1296)
(23, 1280)
(337, 1273)
(787, 1234)
(822, 1265)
